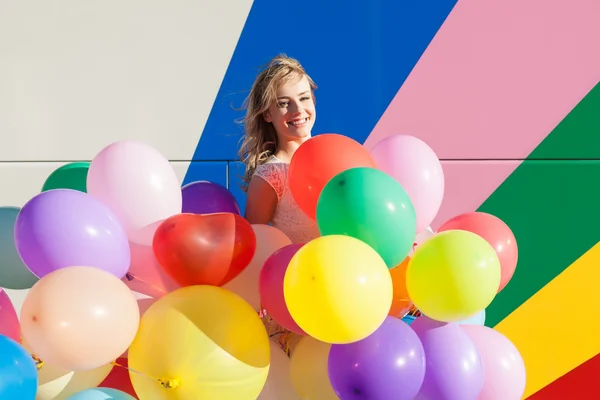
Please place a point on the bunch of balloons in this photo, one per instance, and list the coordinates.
(154, 290)
(345, 292)
(81, 250)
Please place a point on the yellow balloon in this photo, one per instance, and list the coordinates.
(338, 289)
(202, 342)
(453, 275)
(309, 370)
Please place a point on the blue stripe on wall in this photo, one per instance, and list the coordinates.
(359, 53)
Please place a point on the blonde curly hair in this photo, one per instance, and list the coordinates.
(260, 139)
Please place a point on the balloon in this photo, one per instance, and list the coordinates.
(389, 364)
(420, 238)
(204, 197)
(60, 228)
(309, 370)
(101, 394)
(369, 205)
(338, 289)
(400, 301)
(477, 319)
(454, 369)
(453, 275)
(79, 318)
(314, 164)
(145, 274)
(271, 287)
(279, 384)
(55, 383)
(18, 373)
(9, 322)
(417, 168)
(206, 340)
(70, 176)
(137, 183)
(496, 232)
(505, 374)
(268, 240)
(13, 272)
(209, 249)
(119, 378)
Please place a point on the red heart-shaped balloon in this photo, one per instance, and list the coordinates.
(204, 249)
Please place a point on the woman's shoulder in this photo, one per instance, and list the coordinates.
(274, 172)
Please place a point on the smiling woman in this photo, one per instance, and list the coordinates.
(280, 115)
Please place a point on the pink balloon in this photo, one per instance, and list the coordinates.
(416, 167)
(9, 322)
(145, 275)
(79, 318)
(138, 184)
(270, 287)
(504, 370)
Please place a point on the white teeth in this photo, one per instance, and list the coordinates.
(298, 122)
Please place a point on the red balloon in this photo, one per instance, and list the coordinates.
(204, 249)
(496, 233)
(119, 378)
(270, 287)
(9, 321)
(317, 161)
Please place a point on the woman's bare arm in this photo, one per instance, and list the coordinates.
(261, 201)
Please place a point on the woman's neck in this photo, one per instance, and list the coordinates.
(286, 149)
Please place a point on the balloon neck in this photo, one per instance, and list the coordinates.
(38, 363)
(170, 383)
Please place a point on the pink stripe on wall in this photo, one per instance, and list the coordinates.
(498, 77)
(469, 184)
(494, 82)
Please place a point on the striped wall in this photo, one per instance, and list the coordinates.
(506, 92)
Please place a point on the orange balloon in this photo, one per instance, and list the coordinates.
(401, 301)
(204, 249)
(317, 161)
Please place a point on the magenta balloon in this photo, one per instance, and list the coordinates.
(388, 364)
(270, 287)
(64, 228)
(204, 197)
(454, 368)
(9, 322)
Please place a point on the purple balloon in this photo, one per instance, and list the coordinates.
(454, 367)
(63, 228)
(204, 197)
(388, 364)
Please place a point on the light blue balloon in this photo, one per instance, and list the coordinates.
(18, 373)
(477, 319)
(13, 272)
(409, 319)
(101, 394)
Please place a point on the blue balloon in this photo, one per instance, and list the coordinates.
(18, 373)
(101, 394)
(477, 319)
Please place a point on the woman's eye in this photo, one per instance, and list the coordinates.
(283, 104)
(305, 98)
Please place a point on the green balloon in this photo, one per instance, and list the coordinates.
(371, 206)
(13, 272)
(70, 176)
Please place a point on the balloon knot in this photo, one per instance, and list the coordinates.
(38, 363)
(170, 384)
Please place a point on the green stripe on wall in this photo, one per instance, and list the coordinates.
(552, 206)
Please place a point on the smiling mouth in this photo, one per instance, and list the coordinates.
(297, 123)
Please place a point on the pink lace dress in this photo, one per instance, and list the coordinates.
(288, 217)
